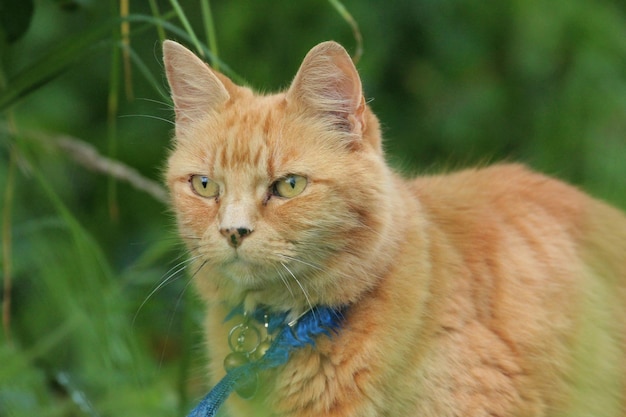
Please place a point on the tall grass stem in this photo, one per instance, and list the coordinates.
(185, 22)
(154, 8)
(209, 28)
(341, 9)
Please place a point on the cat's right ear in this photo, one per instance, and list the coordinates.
(329, 84)
(196, 90)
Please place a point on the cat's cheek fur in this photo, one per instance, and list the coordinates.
(194, 213)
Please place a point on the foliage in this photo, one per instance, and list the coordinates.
(97, 317)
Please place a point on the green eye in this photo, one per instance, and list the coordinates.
(289, 186)
(204, 186)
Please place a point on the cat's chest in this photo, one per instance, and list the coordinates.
(309, 384)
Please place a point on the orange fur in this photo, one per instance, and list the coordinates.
(487, 292)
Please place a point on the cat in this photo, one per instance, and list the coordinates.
(493, 291)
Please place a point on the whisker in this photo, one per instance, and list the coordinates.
(291, 258)
(190, 237)
(171, 275)
(306, 296)
(286, 282)
(178, 300)
(151, 100)
(149, 116)
(195, 273)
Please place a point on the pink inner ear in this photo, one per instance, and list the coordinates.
(328, 83)
(349, 85)
(196, 90)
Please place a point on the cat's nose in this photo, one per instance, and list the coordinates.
(235, 235)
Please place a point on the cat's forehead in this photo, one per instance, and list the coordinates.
(252, 114)
(250, 135)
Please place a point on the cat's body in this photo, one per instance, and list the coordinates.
(488, 292)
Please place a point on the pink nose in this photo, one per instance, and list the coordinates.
(235, 235)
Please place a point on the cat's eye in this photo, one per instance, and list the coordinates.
(289, 186)
(204, 186)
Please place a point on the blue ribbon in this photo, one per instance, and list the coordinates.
(319, 320)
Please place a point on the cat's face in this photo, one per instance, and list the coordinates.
(279, 197)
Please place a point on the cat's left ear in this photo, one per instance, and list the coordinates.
(329, 84)
(196, 89)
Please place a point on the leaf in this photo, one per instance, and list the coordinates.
(52, 64)
(15, 18)
(67, 53)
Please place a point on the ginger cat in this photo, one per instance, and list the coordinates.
(487, 292)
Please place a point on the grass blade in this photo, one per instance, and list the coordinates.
(341, 9)
(154, 8)
(53, 64)
(7, 243)
(183, 19)
(209, 28)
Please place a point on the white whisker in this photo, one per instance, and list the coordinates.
(151, 100)
(149, 116)
(196, 273)
(306, 295)
(291, 258)
(286, 282)
(170, 276)
(178, 300)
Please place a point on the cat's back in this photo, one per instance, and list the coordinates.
(535, 219)
(542, 267)
(478, 199)
(506, 187)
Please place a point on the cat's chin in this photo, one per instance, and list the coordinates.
(241, 273)
(245, 275)
(255, 285)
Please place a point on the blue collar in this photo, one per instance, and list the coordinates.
(245, 362)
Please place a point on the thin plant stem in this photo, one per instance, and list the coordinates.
(341, 9)
(125, 37)
(209, 28)
(112, 108)
(154, 8)
(7, 239)
(88, 156)
(185, 22)
(7, 266)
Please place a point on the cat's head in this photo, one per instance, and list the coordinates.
(284, 198)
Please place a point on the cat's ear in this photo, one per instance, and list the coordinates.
(196, 90)
(329, 84)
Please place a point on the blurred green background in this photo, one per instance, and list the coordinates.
(87, 331)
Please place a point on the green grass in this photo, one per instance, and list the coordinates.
(91, 328)
(81, 336)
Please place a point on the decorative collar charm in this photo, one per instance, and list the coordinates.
(251, 353)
